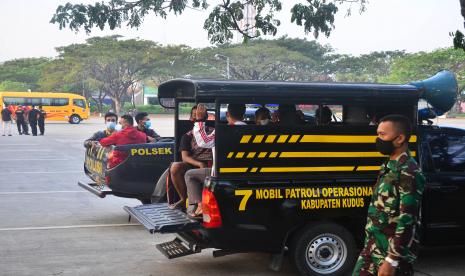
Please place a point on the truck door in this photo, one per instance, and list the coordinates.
(445, 189)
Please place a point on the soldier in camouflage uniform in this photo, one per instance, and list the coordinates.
(391, 240)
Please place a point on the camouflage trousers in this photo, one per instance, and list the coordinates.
(371, 258)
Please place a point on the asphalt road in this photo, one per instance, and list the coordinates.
(49, 226)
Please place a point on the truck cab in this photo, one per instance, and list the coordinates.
(302, 189)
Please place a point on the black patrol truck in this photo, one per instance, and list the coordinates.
(128, 171)
(303, 189)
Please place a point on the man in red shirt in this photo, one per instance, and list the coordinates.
(128, 135)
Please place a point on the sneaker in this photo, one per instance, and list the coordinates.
(10, 135)
(26, 133)
(3, 135)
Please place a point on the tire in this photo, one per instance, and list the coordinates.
(74, 119)
(323, 249)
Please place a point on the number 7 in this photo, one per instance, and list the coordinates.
(246, 194)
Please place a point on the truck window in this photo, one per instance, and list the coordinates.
(448, 152)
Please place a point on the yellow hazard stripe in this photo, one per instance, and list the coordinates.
(100, 153)
(319, 169)
(306, 154)
(233, 170)
(245, 139)
(344, 139)
(302, 169)
(258, 139)
(368, 168)
(313, 139)
(332, 154)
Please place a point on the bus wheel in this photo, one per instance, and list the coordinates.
(323, 249)
(75, 119)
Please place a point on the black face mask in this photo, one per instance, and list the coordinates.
(385, 147)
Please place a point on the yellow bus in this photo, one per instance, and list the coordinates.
(59, 106)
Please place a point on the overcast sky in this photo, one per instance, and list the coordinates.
(412, 25)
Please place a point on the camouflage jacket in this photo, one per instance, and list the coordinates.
(393, 212)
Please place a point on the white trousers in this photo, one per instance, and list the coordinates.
(7, 125)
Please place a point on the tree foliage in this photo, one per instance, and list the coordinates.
(365, 68)
(106, 64)
(14, 86)
(26, 71)
(283, 59)
(315, 16)
(419, 66)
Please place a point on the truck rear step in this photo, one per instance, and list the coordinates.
(175, 249)
(158, 218)
(98, 190)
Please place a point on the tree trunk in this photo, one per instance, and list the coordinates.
(118, 105)
(100, 105)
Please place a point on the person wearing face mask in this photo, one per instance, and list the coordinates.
(195, 178)
(391, 240)
(20, 116)
(32, 117)
(41, 120)
(110, 123)
(262, 116)
(128, 134)
(192, 157)
(144, 124)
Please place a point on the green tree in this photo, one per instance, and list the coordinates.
(283, 59)
(419, 66)
(14, 86)
(179, 61)
(107, 65)
(364, 68)
(26, 71)
(316, 16)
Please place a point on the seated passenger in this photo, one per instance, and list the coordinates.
(196, 177)
(143, 125)
(262, 116)
(287, 115)
(193, 157)
(323, 115)
(128, 135)
(110, 122)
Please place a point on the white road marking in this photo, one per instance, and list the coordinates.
(43, 159)
(40, 192)
(25, 150)
(58, 172)
(68, 227)
(19, 144)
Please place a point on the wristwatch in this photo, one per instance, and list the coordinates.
(392, 262)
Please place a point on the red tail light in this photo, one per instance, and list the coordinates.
(211, 211)
(115, 157)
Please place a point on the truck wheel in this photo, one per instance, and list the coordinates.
(323, 249)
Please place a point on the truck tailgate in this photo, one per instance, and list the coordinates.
(158, 218)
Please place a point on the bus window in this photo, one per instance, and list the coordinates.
(46, 101)
(60, 102)
(79, 102)
(14, 100)
(35, 101)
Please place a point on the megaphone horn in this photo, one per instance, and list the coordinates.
(440, 91)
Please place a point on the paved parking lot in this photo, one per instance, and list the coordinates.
(49, 226)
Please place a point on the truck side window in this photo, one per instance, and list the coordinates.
(448, 152)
